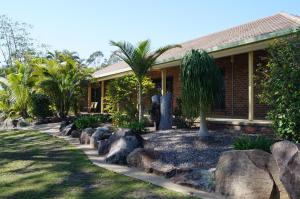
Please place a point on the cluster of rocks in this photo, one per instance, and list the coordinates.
(114, 146)
(258, 174)
(9, 123)
(238, 174)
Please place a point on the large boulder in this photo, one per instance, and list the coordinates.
(86, 135)
(287, 157)
(68, 129)
(101, 133)
(121, 148)
(143, 158)
(103, 147)
(248, 174)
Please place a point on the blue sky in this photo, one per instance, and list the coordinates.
(87, 26)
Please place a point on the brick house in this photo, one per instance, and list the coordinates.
(237, 51)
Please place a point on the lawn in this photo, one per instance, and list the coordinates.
(36, 165)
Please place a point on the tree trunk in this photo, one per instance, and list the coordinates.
(140, 101)
(203, 131)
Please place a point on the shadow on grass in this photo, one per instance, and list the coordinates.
(36, 165)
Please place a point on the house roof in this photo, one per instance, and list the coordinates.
(258, 30)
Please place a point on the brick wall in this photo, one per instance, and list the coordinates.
(236, 86)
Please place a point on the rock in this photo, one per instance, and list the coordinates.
(75, 134)
(63, 124)
(197, 178)
(101, 133)
(9, 123)
(164, 169)
(121, 148)
(143, 159)
(22, 122)
(68, 129)
(166, 112)
(86, 135)
(103, 147)
(287, 157)
(248, 174)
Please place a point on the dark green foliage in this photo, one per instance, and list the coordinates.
(41, 105)
(125, 121)
(253, 142)
(280, 86)
(92, 121)
(200, 83)
(136, 126)
(121, 95)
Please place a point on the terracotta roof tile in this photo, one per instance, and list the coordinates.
(220, 40)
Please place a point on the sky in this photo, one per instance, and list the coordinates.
(87, 26)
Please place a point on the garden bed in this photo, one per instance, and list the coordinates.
(184, 149)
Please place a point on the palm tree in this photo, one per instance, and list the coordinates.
(19, 86)
(140, 59)
(200, 78)
(63, 82)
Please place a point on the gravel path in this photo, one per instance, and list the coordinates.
(184, 149)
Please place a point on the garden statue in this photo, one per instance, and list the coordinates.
(166, 112)
(155, 110)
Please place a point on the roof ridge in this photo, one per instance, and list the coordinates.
(292, 17)
(249, 22)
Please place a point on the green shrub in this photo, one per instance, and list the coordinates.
(136, 126)
(256, 142)
(93, 121)
(279, 83)
(41, 105)
(121, 95)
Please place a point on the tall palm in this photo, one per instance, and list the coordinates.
(200, 78)
(63, 82)
(140, 59)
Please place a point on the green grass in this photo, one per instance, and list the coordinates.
(36, 165)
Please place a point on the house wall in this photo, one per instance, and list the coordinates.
(236, 85)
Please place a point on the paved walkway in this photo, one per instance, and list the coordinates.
(92, 154)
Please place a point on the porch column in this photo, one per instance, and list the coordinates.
(89, 96)
(102, 96)
(163, 81)
(250, 87)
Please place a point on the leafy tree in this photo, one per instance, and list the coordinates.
(19, 85)
(64, 80)
(121, 95)
(200, 86)
(95, 58)
(15, 40)
(140, 59)
(280, 87)
(41, 105)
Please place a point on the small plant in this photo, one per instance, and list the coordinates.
(137, 127)
(257, 142)
(93, 121)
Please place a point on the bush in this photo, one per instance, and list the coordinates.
(256, 142)
(136, 126)
(122, 92)
(41, 105)
(122, 120)
(280, 87)
(93, 121)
